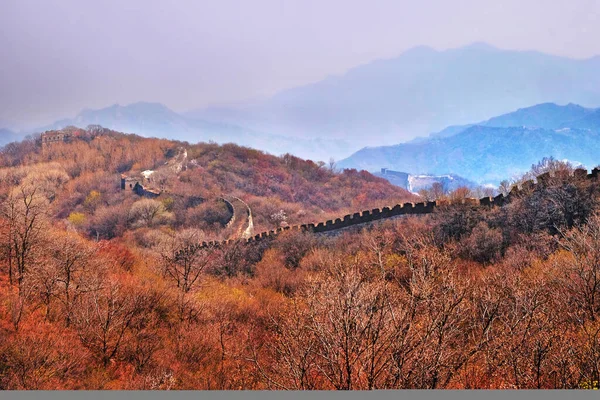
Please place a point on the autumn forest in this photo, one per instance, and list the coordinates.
(104, 287)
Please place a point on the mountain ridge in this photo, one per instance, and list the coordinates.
(478, 151)
(156, 119)
(422, 90)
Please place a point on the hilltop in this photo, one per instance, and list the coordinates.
(157, 120)
(191, 178)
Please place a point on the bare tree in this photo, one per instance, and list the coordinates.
(106, 319)
(76, 269)
(582, 273)
(184, 258)
(332, 164)
(147, 212)
(25, 211)
(505, 187)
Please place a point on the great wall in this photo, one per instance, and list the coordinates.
(241, 219)
(377, 214)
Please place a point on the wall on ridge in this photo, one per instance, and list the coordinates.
(376, 214)
(231, 210)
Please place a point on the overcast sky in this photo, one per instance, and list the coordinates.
(59, 56)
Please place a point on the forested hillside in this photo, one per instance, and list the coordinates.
(101, 288)
(85, 179)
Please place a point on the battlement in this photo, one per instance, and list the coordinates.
(387, 212)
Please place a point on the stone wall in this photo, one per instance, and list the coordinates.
(231, 209)
(140, 190)
(376, 214)
(133, 183)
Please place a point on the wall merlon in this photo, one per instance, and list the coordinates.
(499, 200)
(486, 201)
(376, 213)
(419, 208)
(407, 208)
(425, 207)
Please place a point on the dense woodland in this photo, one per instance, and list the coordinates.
(103, 289)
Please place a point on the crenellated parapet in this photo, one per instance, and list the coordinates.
(429, 207)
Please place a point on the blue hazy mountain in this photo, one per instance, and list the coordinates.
(546, 115)
(155, 119)
(419, 92)
(494, 149)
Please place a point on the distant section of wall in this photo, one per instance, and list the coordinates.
(242, 218)
(136, 187)
(145, 192)
(385, 171)
(395, 177)
(231, 210)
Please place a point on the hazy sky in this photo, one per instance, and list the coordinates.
(59, 56)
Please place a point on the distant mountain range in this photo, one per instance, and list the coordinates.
(155, 119)
(384, 102)
(492, 150)
(419, 92)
